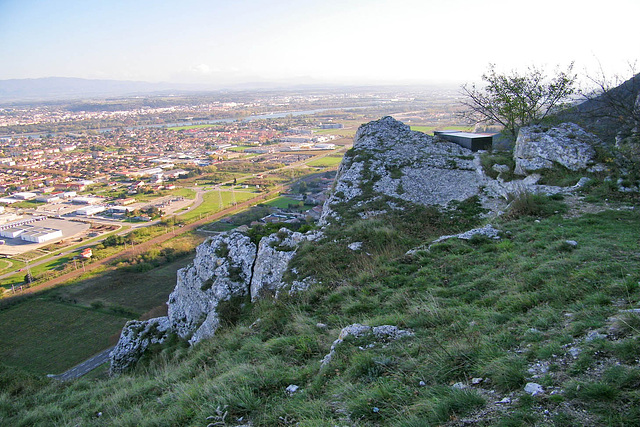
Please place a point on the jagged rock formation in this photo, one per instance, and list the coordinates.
(135, 338)
(221, 270)
(390, 159)
(388, 168)
(274, 253)
(566, 144)
(225, 267)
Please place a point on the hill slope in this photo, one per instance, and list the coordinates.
(536, 325)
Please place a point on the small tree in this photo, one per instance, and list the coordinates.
(517, 100)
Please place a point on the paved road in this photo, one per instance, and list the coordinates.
(85, 367)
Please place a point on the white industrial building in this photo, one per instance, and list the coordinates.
(40, 234)
(30, 233)
(12, 232)
(90, 210)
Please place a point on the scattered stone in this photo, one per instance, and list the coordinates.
(571, 243)
(422, 384)
(487, 231)
(292, 388)
(376, 409)
(476, 381)
(321, 326)
(574, 352)
(355, 246)
(460, 386)
(533, 389)
(504, 401)
(595, 335)
(385, 333)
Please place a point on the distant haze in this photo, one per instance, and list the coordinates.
(221, 42)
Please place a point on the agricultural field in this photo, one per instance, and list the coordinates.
(66, 325)
(214, 201)
(45, 336)
(326, 162)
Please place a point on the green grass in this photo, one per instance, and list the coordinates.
(282, 202)
(325, 162)
(50, 337)
(479, 308)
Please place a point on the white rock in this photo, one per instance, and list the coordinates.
(135, 338)
(567, 144)
(355, 246)
(292, 388)
(221, 270)
(533, 389)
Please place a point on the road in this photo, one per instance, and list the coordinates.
(85, 367)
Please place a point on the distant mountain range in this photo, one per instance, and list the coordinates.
(58, 88)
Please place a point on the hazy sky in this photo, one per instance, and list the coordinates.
(326, 40)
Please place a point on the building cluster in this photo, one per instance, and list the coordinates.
(155, 154)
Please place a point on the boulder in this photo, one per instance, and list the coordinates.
(389, 159)
(566, 144)
(274, 253)
(221, 270)
(135, 338)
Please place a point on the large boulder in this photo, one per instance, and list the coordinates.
(221, 270)
(566, 144)
(135, 338)
(274, 253)
(389, 159)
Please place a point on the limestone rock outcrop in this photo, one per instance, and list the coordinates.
(221, 270)
(274, 253)
(135, 338)
(566, 144)
(226, 266)
(389, 159)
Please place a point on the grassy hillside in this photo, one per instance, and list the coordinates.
(489, 316)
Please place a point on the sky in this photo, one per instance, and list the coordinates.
(324, 41)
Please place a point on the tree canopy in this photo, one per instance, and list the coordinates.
(517, 99)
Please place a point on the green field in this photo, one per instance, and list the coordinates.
(430, 129)
(85, 316)
(211, 203)
(49, 337)
(325, 162)
(282, 202)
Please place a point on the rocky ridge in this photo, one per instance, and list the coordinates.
(227, 266)
(389, 166)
